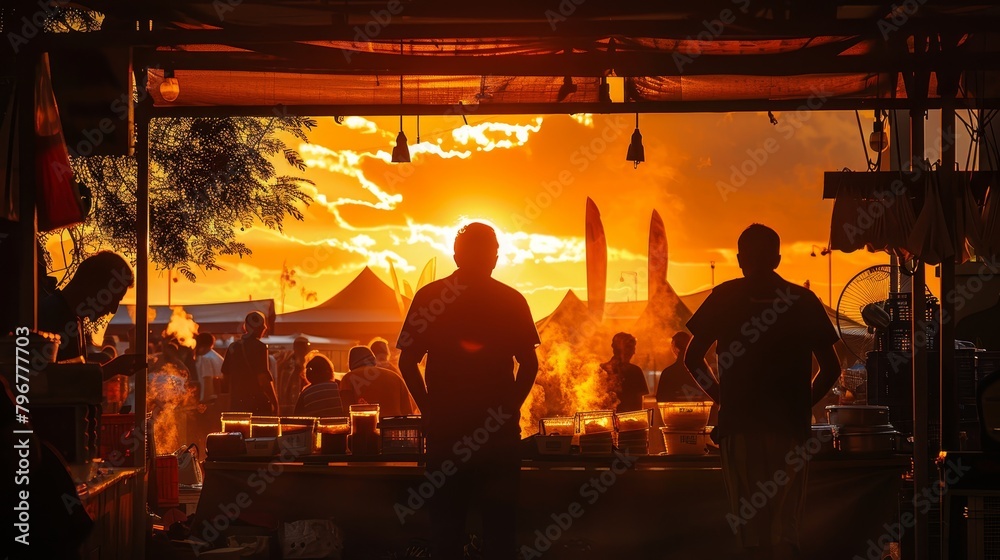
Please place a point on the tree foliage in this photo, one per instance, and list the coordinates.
(208, 177)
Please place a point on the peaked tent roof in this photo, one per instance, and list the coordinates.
(571, 312)
(366, 299)
(224, 317)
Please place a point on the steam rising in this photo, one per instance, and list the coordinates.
(182, 327)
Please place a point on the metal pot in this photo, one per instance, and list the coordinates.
(858, 415)
(867, 441)
(825, 435)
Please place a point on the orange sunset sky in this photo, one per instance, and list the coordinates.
(530, 176)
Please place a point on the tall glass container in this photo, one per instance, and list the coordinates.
(365, 438)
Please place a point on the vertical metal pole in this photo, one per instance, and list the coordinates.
(948, 407)
(829, 275)
(141, 297)
(899, 156)
(921, 459)
(27, 195)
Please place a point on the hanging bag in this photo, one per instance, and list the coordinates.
(62, 202)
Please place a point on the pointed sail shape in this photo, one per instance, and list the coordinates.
(657, 255)
(428, 273)
(395, 288)
(597, 261)
(407, 290)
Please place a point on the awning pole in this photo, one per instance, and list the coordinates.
(141, 302)
(921, 462)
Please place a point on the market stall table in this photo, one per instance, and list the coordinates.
(659, 507)
(108, 501)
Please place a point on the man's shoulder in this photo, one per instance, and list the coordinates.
(211, 356)
(674, 367)
(798, 291)
(452, 285)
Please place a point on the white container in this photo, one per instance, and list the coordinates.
(298, 435)
(262, 446)
(685, 415)
(686, 442)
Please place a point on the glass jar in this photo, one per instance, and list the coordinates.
(331, 435)
(365, 439)
(236, 422)
(265, 426)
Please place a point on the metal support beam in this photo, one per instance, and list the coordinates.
(921, 457)
(27, 191)
(141, 306)
(726, 106)
(949, 383)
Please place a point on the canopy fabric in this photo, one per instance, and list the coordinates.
(517, 53)
(215, 318)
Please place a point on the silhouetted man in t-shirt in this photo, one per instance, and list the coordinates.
(767, 331)
(627, 381)
(471, 328)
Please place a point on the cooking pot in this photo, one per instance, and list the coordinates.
(858, 415)
(875, 441)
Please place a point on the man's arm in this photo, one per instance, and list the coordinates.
(409, 361)
(829, 372)
(405, 403)
(694, 361)
(126, 364)
(527, 370)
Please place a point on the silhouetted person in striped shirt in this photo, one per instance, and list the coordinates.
(322, 396)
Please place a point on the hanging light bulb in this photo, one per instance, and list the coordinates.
(636, 153)
(604, 92)
(170, 88)
(878, 140)
(400, 152)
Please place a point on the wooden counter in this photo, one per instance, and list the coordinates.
(662, 507)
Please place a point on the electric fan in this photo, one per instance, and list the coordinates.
(863, 309)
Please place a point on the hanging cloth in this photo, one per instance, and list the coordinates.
(930, 240)
(846, 231)
(968, 224)
(60, 202)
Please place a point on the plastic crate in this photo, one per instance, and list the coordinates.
(167, 484)
(116, 441)
(898, 306)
